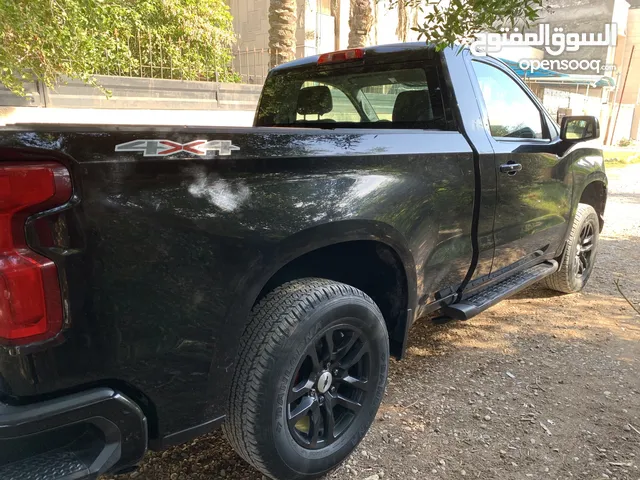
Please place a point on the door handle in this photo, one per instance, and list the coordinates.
(510, 168)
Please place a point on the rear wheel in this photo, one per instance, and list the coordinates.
(579, 256)
(309, 380)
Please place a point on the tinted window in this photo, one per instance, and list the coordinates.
(382, 98)
(379, 96)
(511, 112)
(343, 109)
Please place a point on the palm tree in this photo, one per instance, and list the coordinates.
(408, 18)
(282, 31)
(402, 28)
(360, 22)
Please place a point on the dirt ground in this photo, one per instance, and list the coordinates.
(540, 386)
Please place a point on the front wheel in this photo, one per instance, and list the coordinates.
(579, 256)
(310, 377)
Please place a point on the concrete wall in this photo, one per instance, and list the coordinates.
(107, 116)
(133, 101)
(139, 93)
(556, 97)
(32, 99)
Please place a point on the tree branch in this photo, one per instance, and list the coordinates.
(617, 282)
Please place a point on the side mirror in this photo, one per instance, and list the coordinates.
(579, 129)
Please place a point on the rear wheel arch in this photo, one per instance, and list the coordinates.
(276, 264)
(371, 266)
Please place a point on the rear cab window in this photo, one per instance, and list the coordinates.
(352, 95)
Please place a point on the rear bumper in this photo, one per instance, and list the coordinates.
(74, 437)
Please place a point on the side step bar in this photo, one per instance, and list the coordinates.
(472, 306)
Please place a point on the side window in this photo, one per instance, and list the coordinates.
(511, 112)
(342, 109)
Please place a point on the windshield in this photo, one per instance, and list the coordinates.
(382, 96)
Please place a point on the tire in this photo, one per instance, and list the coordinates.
(276, 373)
(576, 265)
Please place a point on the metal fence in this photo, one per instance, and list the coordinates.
(253, 64)
(145, 54)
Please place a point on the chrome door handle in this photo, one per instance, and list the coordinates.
(510, 168)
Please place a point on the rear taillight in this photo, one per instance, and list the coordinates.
(341, 56)
(30, 300)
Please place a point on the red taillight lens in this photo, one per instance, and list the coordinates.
(341, 56)
(30, 301)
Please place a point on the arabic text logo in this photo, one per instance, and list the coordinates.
(555, 43)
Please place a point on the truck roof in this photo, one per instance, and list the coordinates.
(401, 52)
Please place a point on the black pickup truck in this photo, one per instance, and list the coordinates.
(156, 283)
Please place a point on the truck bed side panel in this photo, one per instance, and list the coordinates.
(167, 254)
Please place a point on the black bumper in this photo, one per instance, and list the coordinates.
(74, 437)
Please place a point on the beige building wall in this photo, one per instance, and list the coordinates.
(251, 25)
(630, 94)
(386, 25)
(317, 31)
(626, 64)
(633, 36)
(343, 22)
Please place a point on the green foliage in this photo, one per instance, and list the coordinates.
(619, 158)
(448, 22)
(624, 142)
(44, 39)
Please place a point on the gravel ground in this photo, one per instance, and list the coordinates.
(540, 386)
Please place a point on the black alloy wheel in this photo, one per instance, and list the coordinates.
(309, 378)
(329, 387)
(584, 252)
(579, 255)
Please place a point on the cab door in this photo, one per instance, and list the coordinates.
(533, 192)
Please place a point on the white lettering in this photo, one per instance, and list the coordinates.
(555, 43)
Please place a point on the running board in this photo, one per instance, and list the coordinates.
(472, 306)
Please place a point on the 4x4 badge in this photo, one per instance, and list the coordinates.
(162, 148)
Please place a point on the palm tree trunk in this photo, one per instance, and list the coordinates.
(335, 13)
(401, 29)
(360, 22)
(282, 31)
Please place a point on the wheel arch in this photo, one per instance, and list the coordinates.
(276, 263)
(358, 247)
(594, 193)
(371, 256)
